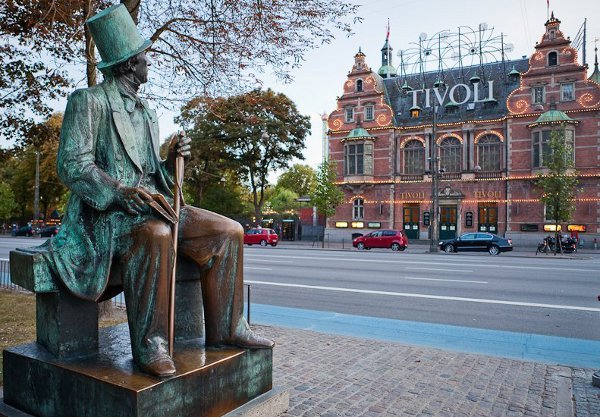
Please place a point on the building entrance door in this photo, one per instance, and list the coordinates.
(488, 218)
(448, 222)
(411, 221)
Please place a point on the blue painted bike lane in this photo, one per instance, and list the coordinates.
(525, 346)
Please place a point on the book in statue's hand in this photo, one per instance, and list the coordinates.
(162, 207)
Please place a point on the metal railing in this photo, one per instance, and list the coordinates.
(118, 300)
(5, 281)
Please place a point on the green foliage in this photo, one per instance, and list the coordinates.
(300, 178)
(283, 200)
(252, 134)
(227, 200)
(19, 169)
(7, 202)
(327, 196)
(559, 184)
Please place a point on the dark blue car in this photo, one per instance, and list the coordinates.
(477, 242)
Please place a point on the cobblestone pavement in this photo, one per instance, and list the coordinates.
(329, 375)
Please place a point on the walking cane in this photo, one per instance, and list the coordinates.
(176, 207)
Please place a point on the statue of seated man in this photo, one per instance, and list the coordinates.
(108, 157)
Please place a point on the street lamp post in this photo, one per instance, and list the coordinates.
(435, 176)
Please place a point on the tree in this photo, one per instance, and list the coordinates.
(284, 200)
(257, 133)
(299, 178)
(199, 47)
(559, 184)
(20, 172)
(327, 196)
(7, 202)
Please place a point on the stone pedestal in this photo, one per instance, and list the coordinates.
(208, 382)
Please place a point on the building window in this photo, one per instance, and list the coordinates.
(414, 157)
(538, 95)
(415, 112)
(541, 145)
(359, 159)
(358, 209)
(359, 85)
(369, 112)
(349, 114)
(567, 92)
(450, 154)
(552, 59)
(489, 153)
(552, 34)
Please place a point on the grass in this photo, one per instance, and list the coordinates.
(17, 320)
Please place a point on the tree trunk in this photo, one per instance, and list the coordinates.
(90, 48)
(134, 8)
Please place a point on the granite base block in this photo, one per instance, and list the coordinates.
(209, 382)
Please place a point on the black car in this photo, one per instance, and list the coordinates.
(23, 231)
(49, 231)
(477, 242)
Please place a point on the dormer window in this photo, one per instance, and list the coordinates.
(415, 112)
(359, 85)
(552, 59)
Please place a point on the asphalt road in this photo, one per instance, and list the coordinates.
(541, 295)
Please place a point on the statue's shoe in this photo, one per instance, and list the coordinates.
(249, 339)
(161, 366)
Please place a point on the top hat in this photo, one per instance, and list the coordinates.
(116, 36)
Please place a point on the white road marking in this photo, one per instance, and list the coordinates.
(267, 260)
(429, 296)
(256, 267)
(445, 280)
(405, 262)
(439, 269)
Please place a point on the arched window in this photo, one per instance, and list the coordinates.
(450, 154)
(358, 209)
(414, 157)
(359, 85)
(552, 59)
(489, 153)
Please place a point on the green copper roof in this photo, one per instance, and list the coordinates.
(513, 71)
(387, 69)
(358, 133)
(553, 117)
(595, 75)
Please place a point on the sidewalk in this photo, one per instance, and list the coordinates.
(329, 376)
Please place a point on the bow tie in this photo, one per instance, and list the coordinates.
(130, 103)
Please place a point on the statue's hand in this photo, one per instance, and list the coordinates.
(133, 199)
(179, 146)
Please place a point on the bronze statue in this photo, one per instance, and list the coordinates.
(117, 221)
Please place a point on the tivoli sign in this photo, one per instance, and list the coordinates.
(468, 92)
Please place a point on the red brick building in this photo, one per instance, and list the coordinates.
(492, 125)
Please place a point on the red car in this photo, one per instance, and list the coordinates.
(262, 237)
(396, 240)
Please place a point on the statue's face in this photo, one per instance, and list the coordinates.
(140, 70)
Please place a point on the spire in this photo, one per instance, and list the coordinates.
(387, 70)
(596, 74)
